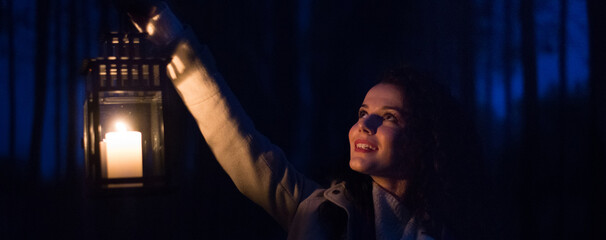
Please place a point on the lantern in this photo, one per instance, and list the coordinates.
(123, 117)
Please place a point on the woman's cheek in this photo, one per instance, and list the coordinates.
(394, 142)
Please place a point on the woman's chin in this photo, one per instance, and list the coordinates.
(361, 165)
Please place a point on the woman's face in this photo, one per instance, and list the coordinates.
(376, 140)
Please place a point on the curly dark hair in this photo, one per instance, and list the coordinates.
(441, 144)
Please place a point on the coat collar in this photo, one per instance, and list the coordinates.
(356, 224)
(356, 229)
(336, 194)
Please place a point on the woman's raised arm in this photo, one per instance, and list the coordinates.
(258, 168)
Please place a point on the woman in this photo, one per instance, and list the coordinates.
(415, 145)
(400, 193)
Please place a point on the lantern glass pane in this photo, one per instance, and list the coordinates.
(124, 118)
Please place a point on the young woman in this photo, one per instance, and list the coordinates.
(401, 152)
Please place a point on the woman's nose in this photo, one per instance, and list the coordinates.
(368, 125)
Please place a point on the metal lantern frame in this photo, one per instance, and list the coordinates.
(125, 79)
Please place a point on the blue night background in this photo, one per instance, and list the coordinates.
(530, 73)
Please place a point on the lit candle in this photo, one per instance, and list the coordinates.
(121, 153)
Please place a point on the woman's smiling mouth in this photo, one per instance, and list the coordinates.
(364, 146)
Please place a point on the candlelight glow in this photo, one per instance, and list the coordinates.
(121, 127)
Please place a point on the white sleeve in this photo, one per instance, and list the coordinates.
(258, 168)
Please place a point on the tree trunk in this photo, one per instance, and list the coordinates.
(42, 14)
(11, 86)
(305, 117)
(11, 79)
(508, 51)
(103, 17)
(563, 118)
(466, 53)
(58, 88)
(70, 168)
(488, 74)
(562, 31)
(530, 149)
(597, 83)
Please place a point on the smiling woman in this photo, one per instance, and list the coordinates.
(397, 141)
(412, 142)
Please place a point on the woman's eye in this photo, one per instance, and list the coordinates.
(362, 114)
(390, 117)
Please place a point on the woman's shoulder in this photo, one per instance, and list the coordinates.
(336, 193)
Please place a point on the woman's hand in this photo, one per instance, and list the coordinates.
(152, 17)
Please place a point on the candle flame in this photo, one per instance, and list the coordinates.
(121, 127)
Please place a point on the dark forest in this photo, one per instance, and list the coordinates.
(529, 73)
